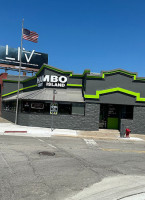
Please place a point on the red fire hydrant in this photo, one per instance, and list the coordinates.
(127, 132)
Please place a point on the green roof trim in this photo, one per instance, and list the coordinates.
(86, 72)
(54, 69)
(63, 72)
(19, 90)
(57, 70)
(11, 81)
(31, 78)
(117, 71)
(74, 85)
(117, 89)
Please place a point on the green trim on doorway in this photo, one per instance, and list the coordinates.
(112, 123)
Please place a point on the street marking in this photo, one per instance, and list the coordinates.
(52, 146)
(40, 140)
(48, 144)
(127, 151)
(90, 141)
(10, 169)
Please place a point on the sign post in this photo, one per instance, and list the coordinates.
(53, 109)
(17, 102)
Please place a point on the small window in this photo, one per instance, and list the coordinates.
(127, 112)
(78, 109)
(47, 108)
(65, 109)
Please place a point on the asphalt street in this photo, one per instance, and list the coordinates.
(71, 166)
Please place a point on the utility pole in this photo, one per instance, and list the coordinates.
(17, 103)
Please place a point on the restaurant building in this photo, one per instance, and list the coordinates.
(110, 100)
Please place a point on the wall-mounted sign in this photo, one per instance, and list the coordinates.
(32, 59)
(52, 81)
(39, 106)
(53, 108)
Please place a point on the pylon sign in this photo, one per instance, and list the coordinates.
(32, 59)
(54, 108)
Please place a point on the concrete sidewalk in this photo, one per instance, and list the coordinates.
(125, 187)
(7, 128)
(17, 130)
(106, 134)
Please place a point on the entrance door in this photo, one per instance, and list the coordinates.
(109, 116)
(103, 116)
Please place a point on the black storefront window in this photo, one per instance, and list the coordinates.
(127, 112)
(43, 107)
(47, 108)
(113, 110)
(35, 107)
(26, 106)
(9, 106)
(65, 109)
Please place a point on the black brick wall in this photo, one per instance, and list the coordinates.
(77, 122)
(137, 125)
(9, 115)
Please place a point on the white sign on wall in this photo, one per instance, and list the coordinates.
(52, 81)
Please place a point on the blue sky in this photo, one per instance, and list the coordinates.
(80, 34)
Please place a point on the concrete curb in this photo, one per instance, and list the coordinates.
(101, 138)
(17, 130)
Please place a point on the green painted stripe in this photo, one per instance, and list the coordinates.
(10, 93)
(70, 85)
(74, 85)
(140, 79)
(77, 75)
(19, 90)
(29, 87)
(99, 92)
